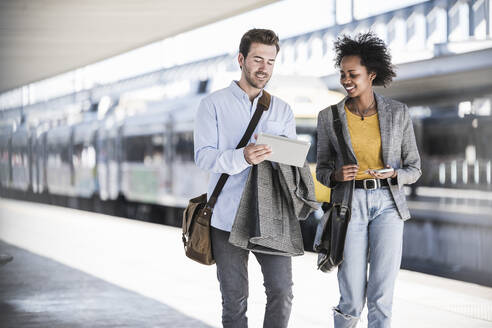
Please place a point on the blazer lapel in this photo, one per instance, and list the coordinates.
(385, 121)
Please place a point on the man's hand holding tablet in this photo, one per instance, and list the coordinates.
(284, 150)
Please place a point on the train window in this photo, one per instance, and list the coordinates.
(65, 154)
(77, 154)
(202, 86)
(455, 151)
(446, 137)
(183, 145)
(155, 153)
(84, 155)
(135, 149)
(145, 149)
(484, 135)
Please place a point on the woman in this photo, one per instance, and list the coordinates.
(379, 134)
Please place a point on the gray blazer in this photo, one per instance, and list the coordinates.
(274, 199)
(397, 140)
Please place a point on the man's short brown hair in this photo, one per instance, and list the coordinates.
(258, 35)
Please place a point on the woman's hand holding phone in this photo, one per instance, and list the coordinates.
(385, 173)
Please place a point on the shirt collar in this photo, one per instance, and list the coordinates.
(240, 94)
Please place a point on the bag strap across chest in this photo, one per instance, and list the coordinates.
(263, 105)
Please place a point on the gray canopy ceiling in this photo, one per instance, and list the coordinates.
(43, 38)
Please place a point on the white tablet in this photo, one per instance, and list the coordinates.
(285, 150)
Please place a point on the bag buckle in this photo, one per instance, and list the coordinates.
(207, 210)
(375, 184)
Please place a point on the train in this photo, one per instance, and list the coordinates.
(134, 158)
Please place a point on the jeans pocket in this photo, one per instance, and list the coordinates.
(388, 201)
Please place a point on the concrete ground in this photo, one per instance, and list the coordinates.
(78, 269)
(38, 292)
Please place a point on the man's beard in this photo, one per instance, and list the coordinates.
(249, 78)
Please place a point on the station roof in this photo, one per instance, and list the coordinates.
(40, 39)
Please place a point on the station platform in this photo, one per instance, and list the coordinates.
(38, 292)
(78, 269)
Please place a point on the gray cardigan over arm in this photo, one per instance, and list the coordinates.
(273, 202)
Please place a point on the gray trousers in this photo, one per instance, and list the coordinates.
(232, 273)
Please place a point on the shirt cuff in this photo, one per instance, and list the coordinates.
(238, 156)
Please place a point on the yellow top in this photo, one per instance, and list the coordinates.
(366, 141)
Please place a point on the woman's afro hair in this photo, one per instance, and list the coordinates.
(373, 53)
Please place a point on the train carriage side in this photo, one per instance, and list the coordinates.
(5, 155)
(144, 176)
(84, 158)
(59, 166)
(108, 152)
(188, 180)
(20, 159)
(39, 162)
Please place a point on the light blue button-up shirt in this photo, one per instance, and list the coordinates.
(221, 121)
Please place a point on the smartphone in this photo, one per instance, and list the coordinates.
(381, 171)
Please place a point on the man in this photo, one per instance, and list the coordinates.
(221, 121)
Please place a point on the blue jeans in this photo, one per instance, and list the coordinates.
(375, 235)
